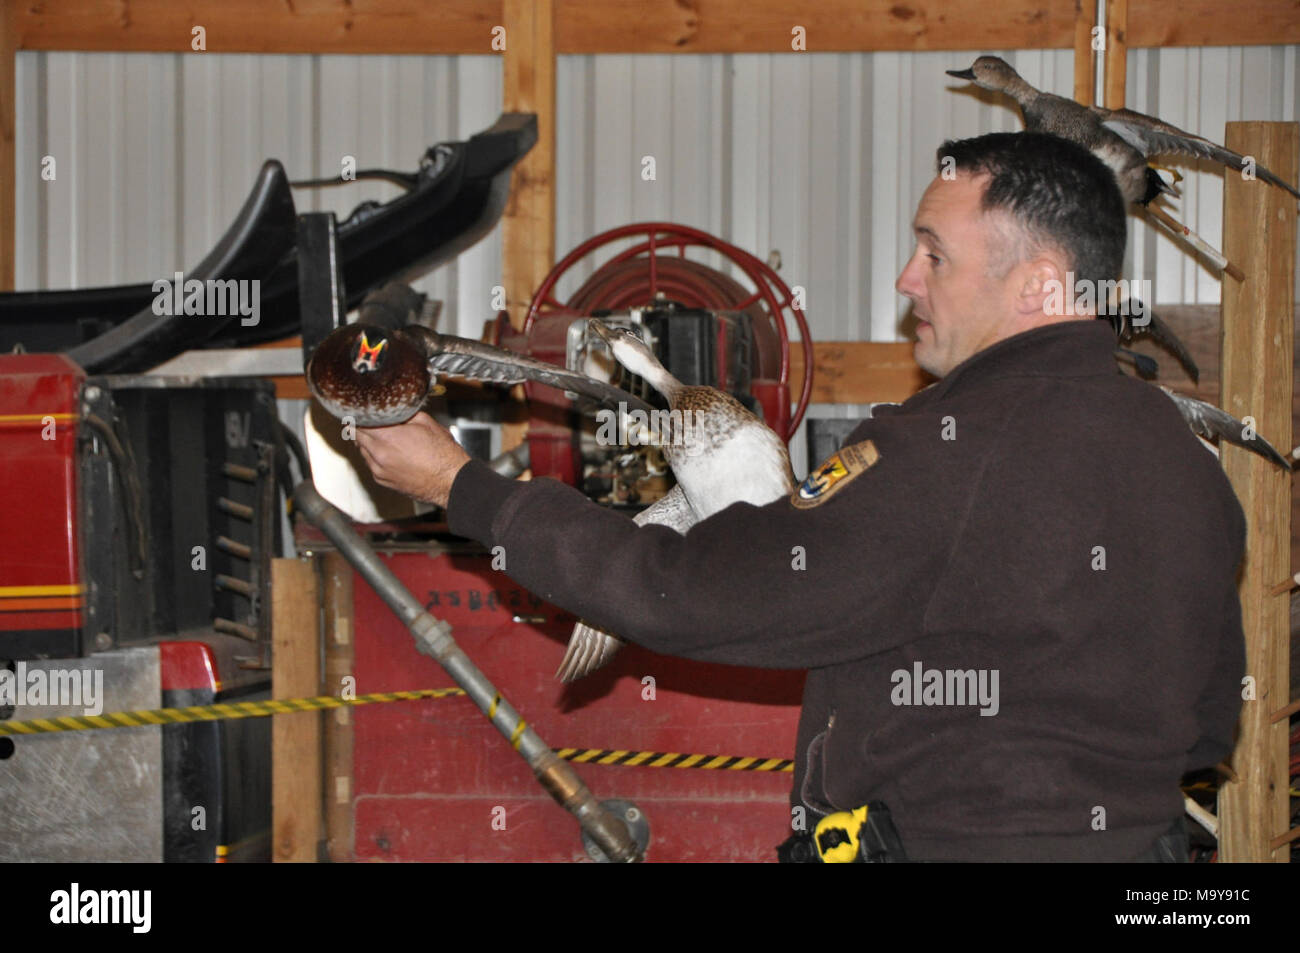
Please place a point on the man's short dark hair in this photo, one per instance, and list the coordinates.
(1060, 193)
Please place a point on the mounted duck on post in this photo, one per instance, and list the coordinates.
(1121, 138)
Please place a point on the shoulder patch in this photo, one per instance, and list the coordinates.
(835, 474)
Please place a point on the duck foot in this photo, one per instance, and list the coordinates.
(1171, 171)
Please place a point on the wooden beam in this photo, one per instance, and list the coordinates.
(255, 26)
(1259, 231)
(8, 154)
(631, 26)
(1116, 59)
(613, 26)
(859, 372)
(295, 738)
(1085, 57)
(1213, 23)
(338, 641)
(727, 26)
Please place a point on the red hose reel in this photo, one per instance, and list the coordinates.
(635, 277)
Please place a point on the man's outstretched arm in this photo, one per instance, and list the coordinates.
(770, 586)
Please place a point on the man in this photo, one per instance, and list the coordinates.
(1016, 602)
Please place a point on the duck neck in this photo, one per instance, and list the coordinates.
(652, 372)
(659, 378)
(426, 338)
(1020, 91)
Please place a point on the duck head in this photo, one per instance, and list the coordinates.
(990, 72)
(633, 353)
(375, 376)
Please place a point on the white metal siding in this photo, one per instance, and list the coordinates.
(820, 156)
(155, 153)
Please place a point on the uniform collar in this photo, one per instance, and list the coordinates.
(1081, 348)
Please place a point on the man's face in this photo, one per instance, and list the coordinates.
(962, 307)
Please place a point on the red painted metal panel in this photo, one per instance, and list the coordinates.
(38, 621)
(188, 665)
(428, 774)
(38, 536)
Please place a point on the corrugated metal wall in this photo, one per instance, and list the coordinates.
(819, 156)
(824, 156)
(155, 153)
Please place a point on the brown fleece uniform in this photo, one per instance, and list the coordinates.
(1034, 517)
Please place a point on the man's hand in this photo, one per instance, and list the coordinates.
(418, 458)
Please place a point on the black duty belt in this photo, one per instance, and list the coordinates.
(867, 835)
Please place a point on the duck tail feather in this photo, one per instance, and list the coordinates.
(589, 648)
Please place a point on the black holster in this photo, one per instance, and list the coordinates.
(879, 841)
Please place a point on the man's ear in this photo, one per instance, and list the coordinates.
(1043, 289)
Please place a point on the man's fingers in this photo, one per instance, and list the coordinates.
(419, 457)
(370, 461)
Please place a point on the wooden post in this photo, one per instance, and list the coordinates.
(8, 156)
(295, 738)
(1116, 52)
(337, 599)
(1259, 231)
(1085, 57)
(528, 224)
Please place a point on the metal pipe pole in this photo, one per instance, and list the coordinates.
(433, 638)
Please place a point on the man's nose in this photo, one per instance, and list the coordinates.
(909, 283)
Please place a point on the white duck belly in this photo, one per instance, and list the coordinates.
(750, 466)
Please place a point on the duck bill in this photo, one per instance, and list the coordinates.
(962, 73)
(599, 329)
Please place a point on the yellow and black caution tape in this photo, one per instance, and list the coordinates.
(671, 759)
(177, 716)
(262, 709)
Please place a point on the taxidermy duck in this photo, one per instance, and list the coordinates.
(1122, 138)
(719, 451)
(380, 376)
(720, 454)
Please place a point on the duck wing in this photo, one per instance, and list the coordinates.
(462, 357)
(1152, 136)
(1210, 422)
(590, 648)
(1158, 331)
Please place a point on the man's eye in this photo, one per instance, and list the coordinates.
(935, 258)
